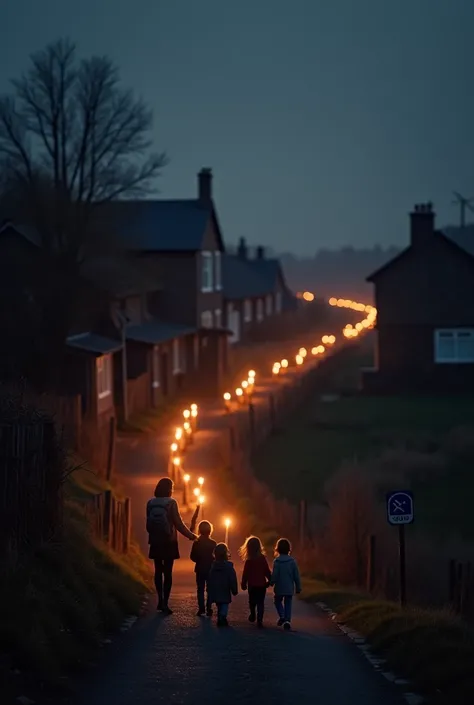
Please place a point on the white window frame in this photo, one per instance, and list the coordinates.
(218, 270)
(218, 318)
(206, 319)
(260, 313)
(207, 271)
(177, 356)
(247, 311)
(278, 302)
(104, 376)
(269, 305)
(454, 335)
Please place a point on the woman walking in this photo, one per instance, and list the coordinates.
(163, 521)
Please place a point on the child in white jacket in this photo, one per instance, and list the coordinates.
(285, 579)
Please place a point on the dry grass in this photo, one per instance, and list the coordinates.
(433, 649)
(58, 604)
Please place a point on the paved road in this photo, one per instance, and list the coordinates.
(186, 660)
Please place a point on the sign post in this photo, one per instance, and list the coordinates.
(400, 512)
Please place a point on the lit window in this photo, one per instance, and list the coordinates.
(247, 310)
(259, 309)
(454, 346)
(104, 376)
(218, 318)
(278, 302)
(269, 305)
(178, 357)
(206, 319)
(207, 281)
(218, 270)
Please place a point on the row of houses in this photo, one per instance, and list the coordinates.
(159, 317)
(425, 313)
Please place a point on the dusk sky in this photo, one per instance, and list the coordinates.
(323, 121)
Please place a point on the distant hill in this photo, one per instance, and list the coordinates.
(343, 272)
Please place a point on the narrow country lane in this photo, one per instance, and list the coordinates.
(186, 660)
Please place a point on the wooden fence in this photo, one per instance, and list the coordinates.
(30, 485)
(110, 520)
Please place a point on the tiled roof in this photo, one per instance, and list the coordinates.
(154, 332)
(161, 225)
(122, 275)
(250, 278)
(93, 343)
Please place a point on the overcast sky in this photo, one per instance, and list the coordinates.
(324, 121)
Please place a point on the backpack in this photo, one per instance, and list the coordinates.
(158, 522)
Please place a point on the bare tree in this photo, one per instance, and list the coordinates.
(72, 140)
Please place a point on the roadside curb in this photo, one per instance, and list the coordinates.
(377, 663)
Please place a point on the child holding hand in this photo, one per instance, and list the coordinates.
(255, 577)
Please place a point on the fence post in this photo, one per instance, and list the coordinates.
(271, 402)
(107, 515)
(371, 564)
(111, 450)
(127, 524)
(252, 425)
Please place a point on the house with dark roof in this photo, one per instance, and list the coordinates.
(152, 364)
(425, 315)
(184, 239)
(255, 294)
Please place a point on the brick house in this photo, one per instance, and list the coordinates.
(256, 295)
(425, 315)
(183, 239)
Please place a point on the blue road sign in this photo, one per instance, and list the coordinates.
(400, 508)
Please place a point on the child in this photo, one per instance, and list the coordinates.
(222, 583)
(285, 577)
(202, 553)
(256, 576)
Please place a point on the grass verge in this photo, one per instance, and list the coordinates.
(57, 604)
(434, 650)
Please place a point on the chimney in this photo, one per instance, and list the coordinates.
(260, 252)
(205, 185)
(242, 248)
(422, 220)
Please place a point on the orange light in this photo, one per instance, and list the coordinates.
(196, 491)
(284, 363)
(302, 352)
(308, 296)
(251, 373)
(299, 360)
(239, 392)
(227, 396)
(186, 413)
(333, 301)
(186, 478)
(174, 447)
(314, 351)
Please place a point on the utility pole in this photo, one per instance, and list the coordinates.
(123, 330)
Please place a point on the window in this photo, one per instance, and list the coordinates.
(104, 376)
(247, 310)
(259, 309)
(269, 305)
(206, 319)
(207, 283)
(156, 367)
(233, 324)
(454, 345)
(178, 357)
(218, 318)
(218, 270)
(278, 302)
